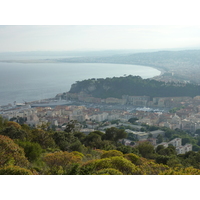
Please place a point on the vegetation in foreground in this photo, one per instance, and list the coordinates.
(42, 151)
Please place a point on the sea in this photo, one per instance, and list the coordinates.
(25, 82)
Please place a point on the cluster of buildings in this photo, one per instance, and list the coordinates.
(186, 117)
(157, 102)
(93, 118)
(59, 116)
(177, 143)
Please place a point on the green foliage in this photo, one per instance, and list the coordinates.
(195, 147)
(108, 171)
(146, 149)
(118, 162)
(170, 150)
(93, 140)
(62, 161)
(88, 168)
(14, 170)
(111, 153)
(81, 136)
(42, 137)
(72, 126)
(127, 149)
(67, 141)
(134, 85)
(107, 145)
(181, 171)
(159, 139)
(162, 159)
(15, 124)
(132, 120)
(19, 120)
(190, 158)
(174, 110)
(96, 153)
(197, 131)
(174, 162)
(114, 134)
(149, 167)
(135, 159)
(3, 122)
(32, 150)
(11, 153)
(14, 133)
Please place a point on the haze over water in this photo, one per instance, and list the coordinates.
(28, 82)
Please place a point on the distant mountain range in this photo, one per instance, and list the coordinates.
(184, 65)
(53, 54)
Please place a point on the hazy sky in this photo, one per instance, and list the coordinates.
(96, 37)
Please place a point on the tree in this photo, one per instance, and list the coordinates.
(81, 136)
(15, 124)
(185, 140)
(146, 149)
(14, 133)
(107, 145)
(149, 167)
(93, 140)
(11, 153)
(170, 150)
(159, 148)
(181, 171)
(76, 146)
(132, 120)
(162, 159)
(72, 126)
(44, 138)
(2, 122)
(195, 147)
(135, 159)
(159, 139)
(114, 134)
(32, 150)
(117, 162)
(169, 133)
(14, 170)
(197, 131)
(126, 149)
(66, 141)
(108, 171)
(111, 153)
(60, 162)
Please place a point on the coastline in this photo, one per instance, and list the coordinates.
(160, 72)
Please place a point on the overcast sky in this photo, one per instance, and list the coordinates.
(96, 37)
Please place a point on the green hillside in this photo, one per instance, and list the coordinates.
(135, 86)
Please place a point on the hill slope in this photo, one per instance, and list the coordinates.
(133, 86)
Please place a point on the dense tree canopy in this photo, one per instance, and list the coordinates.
(133, 86)
(11, 153)
(44, 151)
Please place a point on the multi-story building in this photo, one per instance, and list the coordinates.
(177, 143)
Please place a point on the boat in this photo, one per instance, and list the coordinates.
(52, 103)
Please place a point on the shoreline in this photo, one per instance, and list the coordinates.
(41, 61)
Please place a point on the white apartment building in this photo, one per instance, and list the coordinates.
(177, 142)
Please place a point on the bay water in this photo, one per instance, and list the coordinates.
(34, 81)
